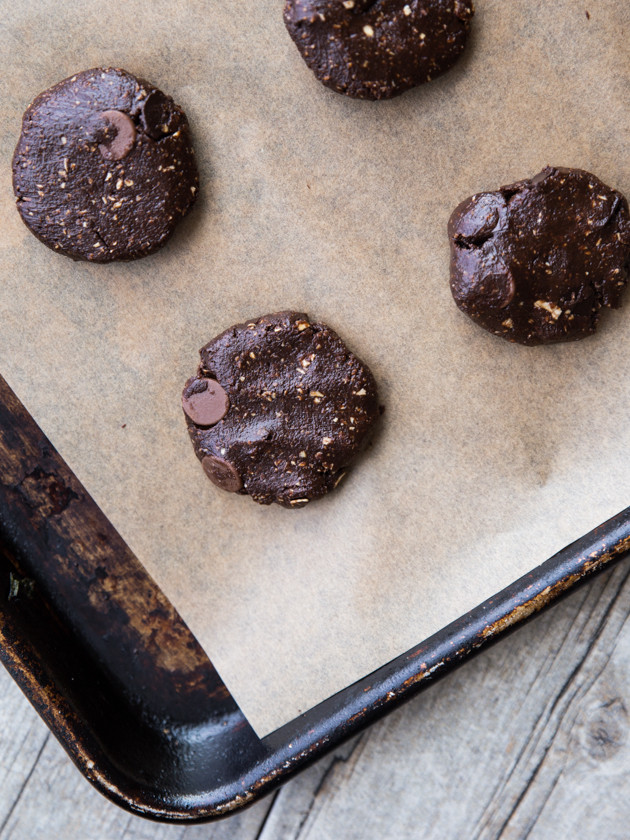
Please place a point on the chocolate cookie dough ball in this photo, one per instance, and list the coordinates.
(536, 261)
(104, 168)
(279, 409)
(376, 50)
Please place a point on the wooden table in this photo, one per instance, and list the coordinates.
(528, 741)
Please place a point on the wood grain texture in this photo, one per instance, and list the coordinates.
(527, 742)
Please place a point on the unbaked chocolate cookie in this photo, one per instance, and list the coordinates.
(279, 409)
(535, 262)
(104, 168)
(376, 49)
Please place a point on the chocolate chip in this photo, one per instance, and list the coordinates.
(204, 401)
(498, 289)
(222, 474)
(156, 115)
(360, 6)
(479, 224)
(542, 176)
(123, 135)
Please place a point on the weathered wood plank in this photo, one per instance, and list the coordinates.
(530, 740)
(22, 739)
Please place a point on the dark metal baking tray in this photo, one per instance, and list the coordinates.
(125, 687)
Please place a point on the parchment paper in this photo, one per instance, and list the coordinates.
(491, 457)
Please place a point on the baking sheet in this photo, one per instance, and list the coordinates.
(491, 457)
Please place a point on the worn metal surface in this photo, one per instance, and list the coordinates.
(123, 684)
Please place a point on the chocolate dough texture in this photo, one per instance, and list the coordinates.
(376, 50)
(535, 262)
(279, 409)
(104, 168)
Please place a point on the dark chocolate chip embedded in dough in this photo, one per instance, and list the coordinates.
(534, 262)
(498, 289)
(222, 473)
(120, 140)
(359, 6)
(156, 114)
(204, 401)
(376, 49)
(104, 168)
(302, 408)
